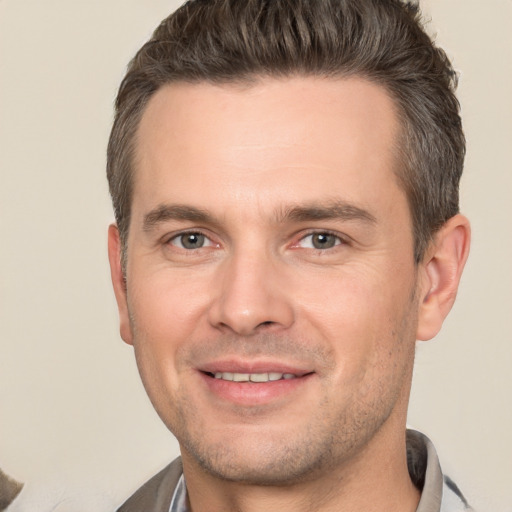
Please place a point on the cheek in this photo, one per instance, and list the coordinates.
(164, 315)
(165, 306)
(345, 300)
(360, 313)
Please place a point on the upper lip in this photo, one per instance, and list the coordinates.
(261, 366)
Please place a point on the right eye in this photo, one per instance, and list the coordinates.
(190, 241)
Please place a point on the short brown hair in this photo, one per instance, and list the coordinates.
(223, 41)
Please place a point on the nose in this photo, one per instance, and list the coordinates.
(253, 296)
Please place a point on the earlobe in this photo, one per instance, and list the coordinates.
(118, 282)
(442, 269)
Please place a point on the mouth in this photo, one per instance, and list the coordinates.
(250, 385)
(253, 377)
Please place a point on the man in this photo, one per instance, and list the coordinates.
(285, 182)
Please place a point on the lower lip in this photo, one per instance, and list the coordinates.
(254, 393)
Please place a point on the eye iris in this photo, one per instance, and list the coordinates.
(192, 240)
(323, 241)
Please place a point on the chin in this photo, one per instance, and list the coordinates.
(262, 461)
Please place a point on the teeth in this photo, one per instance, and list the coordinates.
(254, 377)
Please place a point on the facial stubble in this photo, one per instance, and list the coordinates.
(254, 454)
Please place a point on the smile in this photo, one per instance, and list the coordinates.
(254, 377)
(240, 384)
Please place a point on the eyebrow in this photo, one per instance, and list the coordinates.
(166, 212)
(337, 209)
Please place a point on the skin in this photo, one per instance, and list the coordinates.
(306, 267)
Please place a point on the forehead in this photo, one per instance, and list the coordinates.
(297, 137)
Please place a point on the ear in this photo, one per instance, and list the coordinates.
(118, 281)
(441, 271)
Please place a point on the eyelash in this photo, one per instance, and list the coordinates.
(182, 234)
(340, 240)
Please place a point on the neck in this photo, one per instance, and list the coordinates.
(375, 479)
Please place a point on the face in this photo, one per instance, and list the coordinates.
(270, 278)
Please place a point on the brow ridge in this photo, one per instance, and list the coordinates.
(167, 212)
(295, 213)
(336, 209)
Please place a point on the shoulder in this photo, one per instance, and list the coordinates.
(156, 494)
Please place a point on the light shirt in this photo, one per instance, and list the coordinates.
(179, 498)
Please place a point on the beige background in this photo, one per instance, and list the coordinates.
(73, 415)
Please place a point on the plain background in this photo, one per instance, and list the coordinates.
(73, 413)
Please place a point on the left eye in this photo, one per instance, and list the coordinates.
(191, 241)
(320, 241)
